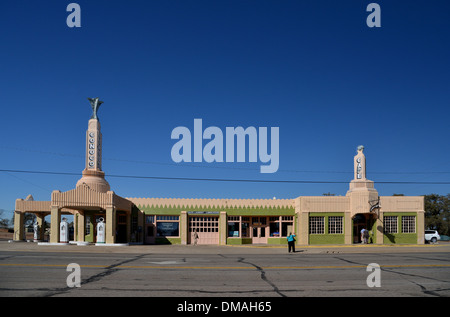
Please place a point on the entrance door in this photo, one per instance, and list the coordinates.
(259, 230)
(121, 228)
(149, 229)
(149, 234)
(90, 229)
(357, 233)
(259, 234)
(362, 221)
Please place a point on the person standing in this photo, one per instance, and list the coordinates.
(364, 236)
(195, 237)
(291, 242)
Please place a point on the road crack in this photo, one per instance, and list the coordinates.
(263, 276)
(95, 278)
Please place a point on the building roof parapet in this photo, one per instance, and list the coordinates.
(213, 202)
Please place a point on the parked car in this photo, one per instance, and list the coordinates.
(432, 236)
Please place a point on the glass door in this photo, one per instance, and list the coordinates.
(149, 229)
(259, 234)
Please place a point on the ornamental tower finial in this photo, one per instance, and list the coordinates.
(95, 104)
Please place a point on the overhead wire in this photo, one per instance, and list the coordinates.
(223, 179)
(222, 167)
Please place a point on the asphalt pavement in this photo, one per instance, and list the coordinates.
(177, 271)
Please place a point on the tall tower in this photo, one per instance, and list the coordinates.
(361, 191)
(93, 176)
(360, 182)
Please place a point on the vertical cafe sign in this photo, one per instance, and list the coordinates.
(94, 146)
(91, 150)
(358, 168)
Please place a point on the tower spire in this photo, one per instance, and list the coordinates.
(93, 176)
(360, 181)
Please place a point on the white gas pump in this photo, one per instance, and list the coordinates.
(36, 232)
(101, 231)
(64, 231)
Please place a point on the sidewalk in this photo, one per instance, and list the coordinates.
(227, 249)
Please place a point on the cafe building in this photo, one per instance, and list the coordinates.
(314, 219)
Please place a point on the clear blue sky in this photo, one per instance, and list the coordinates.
(312, 68)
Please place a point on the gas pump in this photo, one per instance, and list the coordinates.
(64, 231)
(101, 231)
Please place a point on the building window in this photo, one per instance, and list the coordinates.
(166, 226)
(335, 225)
(149, 220)
(390, 224)
(287, 224)
(245, 226)
(165, 218)
(167, 229)
(150, 225)
(259, 221)
(274, 227)
(408, 224)
(233, 226)
(87, 228)
(134, 223)
(236, 223)
(279, 226)
(316, 225)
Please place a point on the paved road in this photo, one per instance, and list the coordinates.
(223, 272)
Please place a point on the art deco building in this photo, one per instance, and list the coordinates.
(314, 219)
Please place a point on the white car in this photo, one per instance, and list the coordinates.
(432, 236)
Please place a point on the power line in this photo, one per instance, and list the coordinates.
(218, 167)
(224, 179)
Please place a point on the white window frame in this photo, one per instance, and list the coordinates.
(390, 224)
(317, 225)
(335, 224)
(408, 224)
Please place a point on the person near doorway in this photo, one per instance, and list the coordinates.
(291, 242)
(364, 236)
(195, 237)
